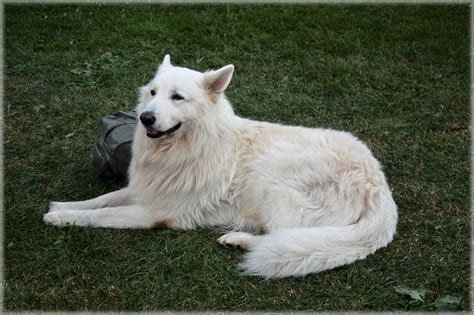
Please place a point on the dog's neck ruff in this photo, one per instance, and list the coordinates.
(151, 133)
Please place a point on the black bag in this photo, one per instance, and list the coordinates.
(113, 152)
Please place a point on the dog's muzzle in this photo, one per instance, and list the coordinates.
(148, 119)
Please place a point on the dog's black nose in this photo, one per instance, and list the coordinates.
(147, 118)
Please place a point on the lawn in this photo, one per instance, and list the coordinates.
(397, 76)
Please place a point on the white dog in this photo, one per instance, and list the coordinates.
(300, 200)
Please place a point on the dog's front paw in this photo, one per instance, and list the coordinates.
(66, 217)
(53, 217)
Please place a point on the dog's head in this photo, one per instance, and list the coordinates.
(178, 96)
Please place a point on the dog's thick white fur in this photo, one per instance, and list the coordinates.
(300, 200)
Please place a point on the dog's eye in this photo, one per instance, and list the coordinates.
(176, 97)
(153, 92)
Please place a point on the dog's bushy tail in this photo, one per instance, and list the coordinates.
(300, 251)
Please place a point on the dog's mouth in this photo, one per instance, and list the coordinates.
(152, 133)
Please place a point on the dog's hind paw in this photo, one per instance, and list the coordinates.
(240, 240)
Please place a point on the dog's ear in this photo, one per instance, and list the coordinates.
(166, 63)
(217, 81)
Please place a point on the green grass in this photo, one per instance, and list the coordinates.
(397, 76)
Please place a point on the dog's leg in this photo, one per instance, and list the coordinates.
(241, 240)
(132, 217)
(113, 199)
